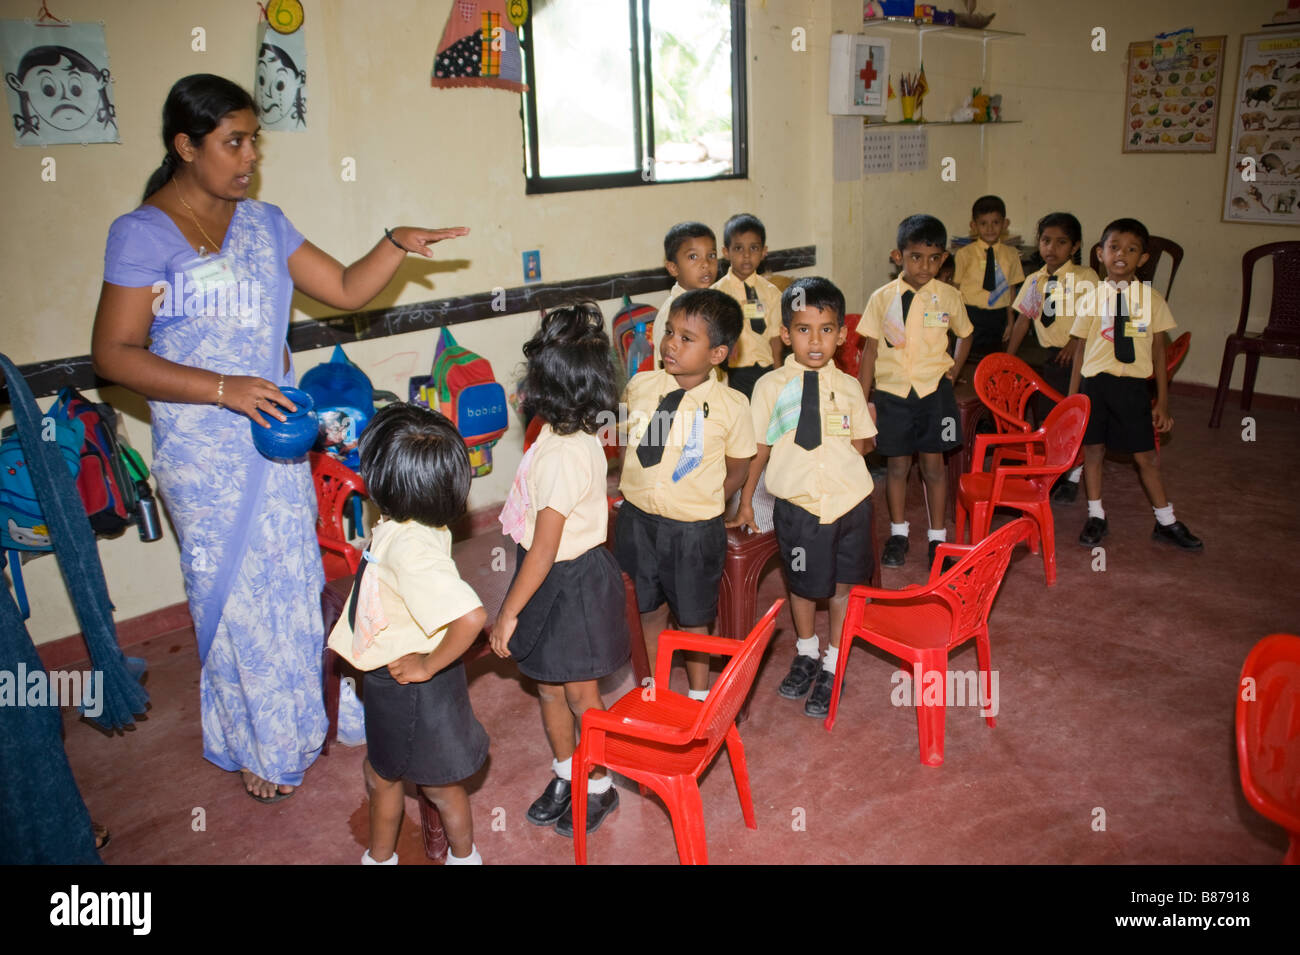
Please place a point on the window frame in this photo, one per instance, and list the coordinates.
(642, 109)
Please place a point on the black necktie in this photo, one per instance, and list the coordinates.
(651, 449)
(757, 324)
(907, 305)
(356, 592)
(1123, 343)
(1049, 306)
(990, 273)
(809, 433)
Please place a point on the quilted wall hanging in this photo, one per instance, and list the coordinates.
(480, 45)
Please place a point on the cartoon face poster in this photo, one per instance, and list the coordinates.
(280, 88)
(58, 83)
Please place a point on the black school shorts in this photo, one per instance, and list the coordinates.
(680, 562)
(818, 556)
(989, 325)
(743, 379)
(1120, 417)
(912, 424)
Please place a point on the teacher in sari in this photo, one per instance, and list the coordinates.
(208, 362)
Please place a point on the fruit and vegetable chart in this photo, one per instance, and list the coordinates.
(1174, 89)
(1264, 162)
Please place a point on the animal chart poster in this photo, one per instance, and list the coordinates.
(1174, 87)
(58, 83)
(1264, 162)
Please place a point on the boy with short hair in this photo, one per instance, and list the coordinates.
(691, 258)
(813, 428)
(690, 440)
(1123, 330)
(987, 271)
(759, 347)
(906, 325)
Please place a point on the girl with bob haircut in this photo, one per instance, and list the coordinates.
(563, 618)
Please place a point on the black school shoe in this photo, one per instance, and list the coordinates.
(895, 552)
(598, 808)
(547, 808)
(1065, 492)
(1093, 531)
(818, 703)
(800, 678)
(1178, 535)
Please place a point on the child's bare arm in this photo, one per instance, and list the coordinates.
(461, 632)
(537, 564)
(1018, 331)
(867, 370)
(959, 359)
(1011, 320)
(745, 513)
(1076, 365)
(1160, 413)
(737, 472)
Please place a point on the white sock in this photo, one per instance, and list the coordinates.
(697, 694)
(563, 769)
(1095, 510)
(1075, 475)
(899, 530)
(598, 787)
(1164, 515)
(472, 859)
(808, 648)
(828, 659)
(941, 535)
(367, 859)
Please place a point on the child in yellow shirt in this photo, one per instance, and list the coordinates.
(691, 258)
(690, 440)
(759, 346)
(1124, 344)
(987, 271)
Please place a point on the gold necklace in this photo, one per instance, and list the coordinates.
(215, 246)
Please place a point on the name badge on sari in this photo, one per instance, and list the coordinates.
(210, 271)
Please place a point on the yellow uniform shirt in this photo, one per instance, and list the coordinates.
(661, 320)
(923, 358)
(969, 263)
(724, 430)
(832, 478)
(567, 474)
(1148, 315)
(420, 592)
(754, 347)
(1072, 281)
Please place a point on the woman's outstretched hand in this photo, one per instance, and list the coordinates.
(418, 240)
(253, 397)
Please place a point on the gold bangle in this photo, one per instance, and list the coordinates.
(221, 390)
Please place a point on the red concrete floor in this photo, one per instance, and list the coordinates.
(1116, 706)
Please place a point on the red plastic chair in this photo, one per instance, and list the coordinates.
(1268, 734)
(848, 357)
(1025, 487)
(667, 741)
(335, 483)
(1280, 337)
(923, 624)
(1005, 385)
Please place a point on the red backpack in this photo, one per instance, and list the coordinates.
(106, 486)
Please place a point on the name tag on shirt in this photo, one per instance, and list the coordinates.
(753, 309)
(210, 271)
(1138, 327)
(837, 425)
(936, 319)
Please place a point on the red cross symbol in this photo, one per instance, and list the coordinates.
(868, 74)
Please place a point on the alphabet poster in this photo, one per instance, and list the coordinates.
(280, 90)
(1174, 87)
(58, 83)
(1264, 161)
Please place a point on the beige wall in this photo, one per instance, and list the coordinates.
(439, 157)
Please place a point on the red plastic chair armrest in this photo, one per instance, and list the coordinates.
(1047, 391)
(670, 640)
(607, 722)
(982, 442)
(947, 550)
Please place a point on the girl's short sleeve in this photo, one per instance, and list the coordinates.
(133, 256)
(556, 483)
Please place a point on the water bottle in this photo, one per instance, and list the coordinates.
(640, 350)
(150, 528)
